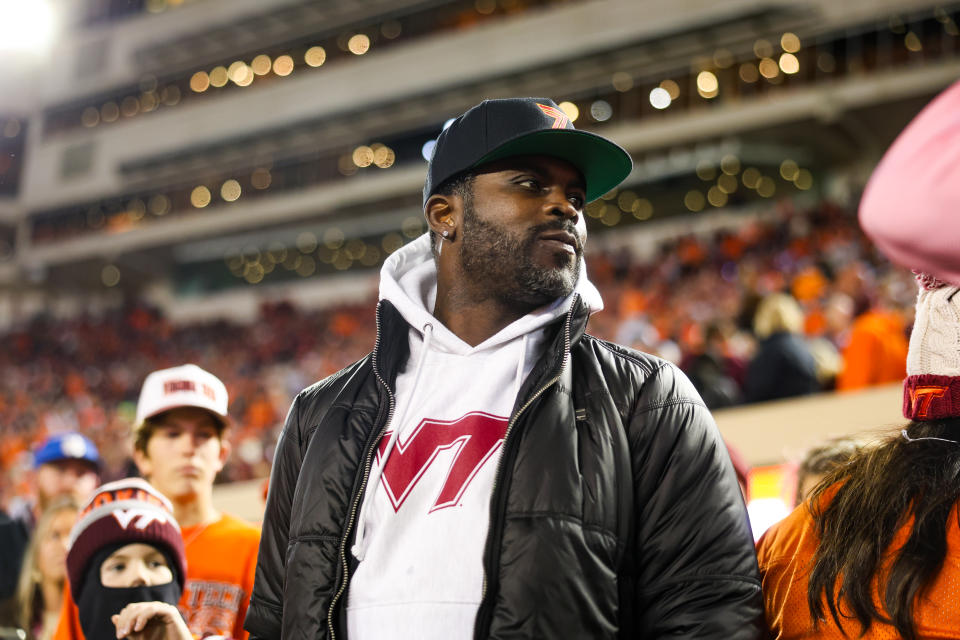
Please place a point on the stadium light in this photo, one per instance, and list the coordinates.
(26, 27)
(427, 150)
(660, 98)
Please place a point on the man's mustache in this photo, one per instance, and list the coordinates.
(559, 225)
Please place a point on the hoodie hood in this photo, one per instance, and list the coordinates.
(408, 280)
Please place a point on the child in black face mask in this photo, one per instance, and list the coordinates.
(126, 565)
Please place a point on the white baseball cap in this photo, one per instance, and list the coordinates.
(184, 386)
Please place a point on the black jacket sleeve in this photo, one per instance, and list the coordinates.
(13, 545)
(697, 573)
(265, 614)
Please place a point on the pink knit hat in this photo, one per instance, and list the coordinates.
(931, 390)
(124, 512)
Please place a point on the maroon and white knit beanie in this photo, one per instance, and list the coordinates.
(931, 390)
(124, 512)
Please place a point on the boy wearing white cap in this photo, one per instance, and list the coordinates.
(179, 447)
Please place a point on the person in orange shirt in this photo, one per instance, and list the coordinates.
(179, 447)
(877, 351)
(875, 552)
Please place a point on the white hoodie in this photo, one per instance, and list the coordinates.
(420, 535)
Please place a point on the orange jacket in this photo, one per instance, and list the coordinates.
(785, 552)
(876, 353)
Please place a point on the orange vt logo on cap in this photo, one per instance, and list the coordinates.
(560, 119)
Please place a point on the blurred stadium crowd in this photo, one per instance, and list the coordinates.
(694, 302)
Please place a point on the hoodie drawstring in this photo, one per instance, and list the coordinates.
(518, 382)
(359, 549)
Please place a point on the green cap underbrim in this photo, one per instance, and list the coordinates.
(603, 164)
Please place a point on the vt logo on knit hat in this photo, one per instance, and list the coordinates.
(931, 390)
(124, 512)
(139, 518)
(497, 129)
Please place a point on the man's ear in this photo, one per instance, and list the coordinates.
(443, 215)
(142, 460)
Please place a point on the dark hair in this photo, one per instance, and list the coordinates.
(459, 184)
(880, 489)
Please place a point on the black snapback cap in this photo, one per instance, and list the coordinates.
(497, 129)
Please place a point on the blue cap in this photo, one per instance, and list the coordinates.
(67, 446)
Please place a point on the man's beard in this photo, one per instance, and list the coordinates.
(503, 263)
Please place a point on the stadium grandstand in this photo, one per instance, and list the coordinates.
(218, 182)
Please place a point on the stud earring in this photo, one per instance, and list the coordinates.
(446, 234)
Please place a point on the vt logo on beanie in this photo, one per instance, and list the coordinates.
(143, 517)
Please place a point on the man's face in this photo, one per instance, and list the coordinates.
(75, 478)
(523, 229)
(184, 453)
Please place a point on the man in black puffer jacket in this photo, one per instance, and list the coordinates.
(490, 470)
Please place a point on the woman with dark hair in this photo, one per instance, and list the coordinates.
(875, 552)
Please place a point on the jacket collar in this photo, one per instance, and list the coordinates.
(392, 348)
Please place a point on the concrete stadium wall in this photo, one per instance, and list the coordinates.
(779, 431)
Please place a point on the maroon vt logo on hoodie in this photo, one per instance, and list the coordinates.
(476, 437)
